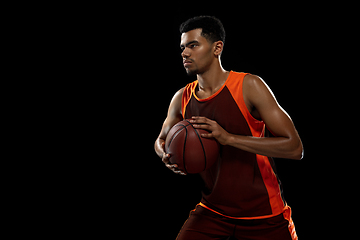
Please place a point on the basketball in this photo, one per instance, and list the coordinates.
(191, 152)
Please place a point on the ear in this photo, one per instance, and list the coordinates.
(218, 48)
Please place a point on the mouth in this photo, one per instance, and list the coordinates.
(187, 63)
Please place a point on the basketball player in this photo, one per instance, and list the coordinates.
(242, 197)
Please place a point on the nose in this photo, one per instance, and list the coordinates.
(185, 53)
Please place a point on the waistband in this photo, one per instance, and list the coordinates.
(286, 212)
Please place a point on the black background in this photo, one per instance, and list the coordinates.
(133, 68)
(103, 76)
(282, 48)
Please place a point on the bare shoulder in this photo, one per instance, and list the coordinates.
(179, 93)
(255, 87)
(177, 97)
(257, 94)
(252, 81)
(175, 105)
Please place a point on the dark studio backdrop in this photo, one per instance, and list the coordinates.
(117, 70)
(137, 68)
(275, 46)
(131, 68)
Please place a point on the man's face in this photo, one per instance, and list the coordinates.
(197, 52)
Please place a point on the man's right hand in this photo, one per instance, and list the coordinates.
(165, 159)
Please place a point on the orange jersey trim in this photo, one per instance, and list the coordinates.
(236, 89)
(286, 211)
(271, 183)
(189, 89)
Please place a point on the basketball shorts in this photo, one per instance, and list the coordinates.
(205, 225)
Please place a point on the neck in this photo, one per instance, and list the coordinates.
(212, 80)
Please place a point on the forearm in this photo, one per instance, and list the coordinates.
(280, 147)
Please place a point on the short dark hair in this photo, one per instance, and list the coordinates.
(212, 28)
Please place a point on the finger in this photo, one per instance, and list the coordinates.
(171, 166)
(180, 172)
(207, 135)
(202, 126)
(198, 119)
(165, 158)
(175, 169)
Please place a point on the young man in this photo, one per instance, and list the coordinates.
(242, 197)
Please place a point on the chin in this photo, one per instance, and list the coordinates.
(191, 72)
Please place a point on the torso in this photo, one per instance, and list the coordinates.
(241, 184)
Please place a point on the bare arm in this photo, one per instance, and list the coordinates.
(174, 116)
(258, 96)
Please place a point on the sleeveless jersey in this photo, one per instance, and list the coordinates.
(241, 184)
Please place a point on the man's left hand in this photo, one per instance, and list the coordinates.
(216, 131)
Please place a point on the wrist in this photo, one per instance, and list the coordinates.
(228, 139)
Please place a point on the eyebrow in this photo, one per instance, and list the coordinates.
(189, 43)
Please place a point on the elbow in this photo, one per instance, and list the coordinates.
(297, 153)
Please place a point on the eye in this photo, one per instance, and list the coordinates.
(193, 45)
